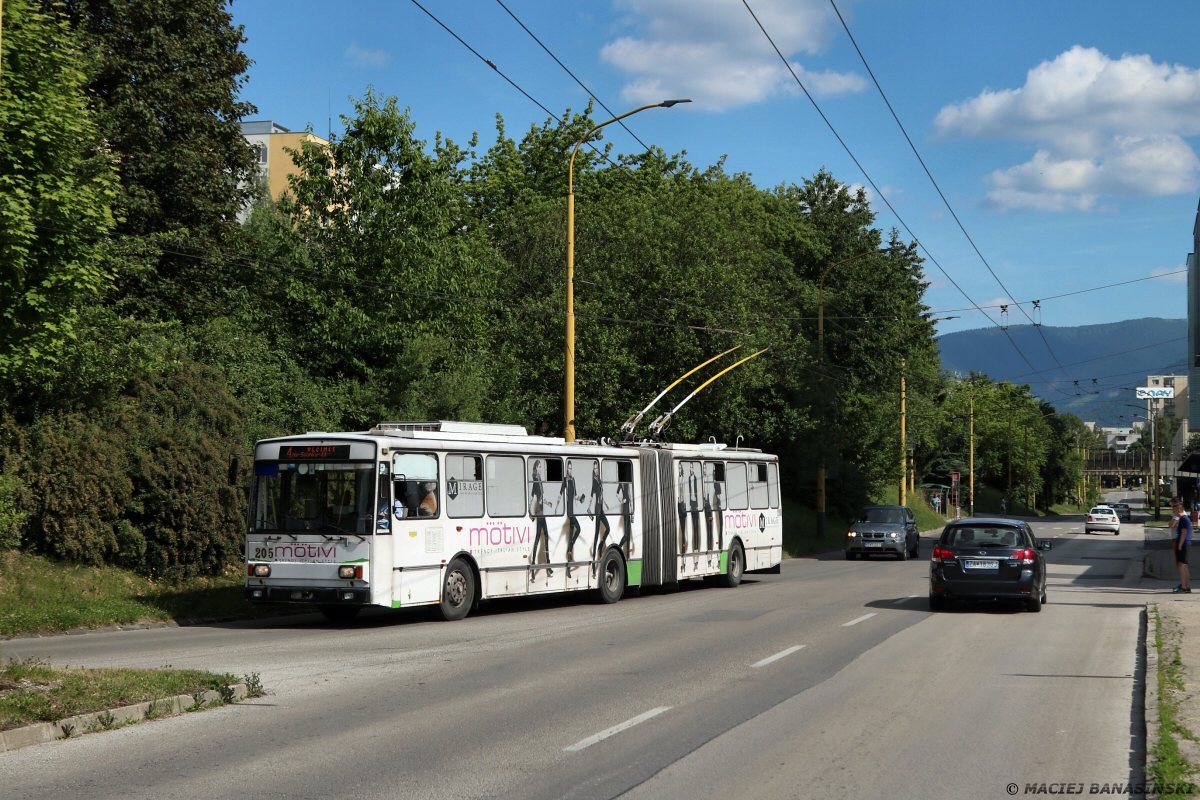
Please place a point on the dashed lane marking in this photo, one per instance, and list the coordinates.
(860, 619)
(777, 656)
(615, 729)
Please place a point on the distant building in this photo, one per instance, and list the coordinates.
(1119, 439)
(1193, 312)
(270, 139)
(1169, 407)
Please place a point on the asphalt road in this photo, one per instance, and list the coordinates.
(831, 679)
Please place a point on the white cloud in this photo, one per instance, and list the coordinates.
(1103, 127)
(1176, 274)
(714, 53)
(363, 58)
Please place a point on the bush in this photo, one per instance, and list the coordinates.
(138, 481)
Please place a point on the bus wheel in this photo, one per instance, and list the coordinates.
(734, 567)
(612, 578)
(458, 591)
(340, 613)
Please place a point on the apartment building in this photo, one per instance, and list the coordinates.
(1170, 407)
(272, 141)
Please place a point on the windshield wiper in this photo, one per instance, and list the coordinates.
(361, 538)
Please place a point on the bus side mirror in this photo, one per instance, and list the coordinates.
(233, 471)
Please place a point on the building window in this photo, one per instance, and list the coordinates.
(262, 156)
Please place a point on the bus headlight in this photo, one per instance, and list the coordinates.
(262, 570)
(349, 572)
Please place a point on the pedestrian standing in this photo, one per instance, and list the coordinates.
(1181, 537)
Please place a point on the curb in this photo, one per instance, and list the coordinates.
(1150, 704)
(42, 732)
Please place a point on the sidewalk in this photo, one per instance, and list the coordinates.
(1173, 690)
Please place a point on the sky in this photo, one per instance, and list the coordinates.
(1063, 135)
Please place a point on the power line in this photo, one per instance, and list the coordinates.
(879, 193)
(929, 174)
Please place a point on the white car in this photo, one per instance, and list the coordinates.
(1102, 518)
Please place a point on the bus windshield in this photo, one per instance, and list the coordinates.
(328, 498)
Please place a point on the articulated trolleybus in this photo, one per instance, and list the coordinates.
(452, 513)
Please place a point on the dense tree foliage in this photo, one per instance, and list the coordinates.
(147, 337)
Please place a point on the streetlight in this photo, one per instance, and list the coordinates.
(569, 434)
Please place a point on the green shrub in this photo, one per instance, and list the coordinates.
(139, 481)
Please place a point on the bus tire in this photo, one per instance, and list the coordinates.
(611, 574)
(458, 591)
(735, 566)
(335, 613)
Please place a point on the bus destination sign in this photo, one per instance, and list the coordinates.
(313, 452)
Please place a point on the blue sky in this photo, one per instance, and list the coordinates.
(1063, 134)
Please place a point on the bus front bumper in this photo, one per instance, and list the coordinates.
(307, 594)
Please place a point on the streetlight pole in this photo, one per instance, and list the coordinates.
(569, 431)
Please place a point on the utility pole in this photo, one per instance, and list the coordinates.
(1157, 474)
(972, 463)
(1010, 499)
(1026, 469)
(903, 441)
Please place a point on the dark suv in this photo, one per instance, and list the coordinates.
(988, 559)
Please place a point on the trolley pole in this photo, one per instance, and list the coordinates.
(1026, 469)
(1010, 499)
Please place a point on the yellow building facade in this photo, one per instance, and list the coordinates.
(272, 141)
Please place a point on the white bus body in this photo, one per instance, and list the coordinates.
(452, 513)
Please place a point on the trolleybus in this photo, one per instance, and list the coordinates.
(454, 513)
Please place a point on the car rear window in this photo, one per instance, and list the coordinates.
(883, 516)
(1101, 510)
(983, 536)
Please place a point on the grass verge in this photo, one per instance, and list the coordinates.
(37, 594)
(32, 691)
(1167, 766)
(927, 518)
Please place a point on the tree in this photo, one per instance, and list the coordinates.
(165, 91)
(58, 184)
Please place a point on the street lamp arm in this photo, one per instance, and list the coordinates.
(594, 128)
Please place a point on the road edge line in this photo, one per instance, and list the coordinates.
(596, 738)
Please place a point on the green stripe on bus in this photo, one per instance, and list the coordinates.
(634, 571)
(724, 561)
(395, 604)
(356, 561)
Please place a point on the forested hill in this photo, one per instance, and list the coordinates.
(1102, 358)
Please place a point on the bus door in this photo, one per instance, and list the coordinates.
(417, 529)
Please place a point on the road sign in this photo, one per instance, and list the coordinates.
(1155, 392)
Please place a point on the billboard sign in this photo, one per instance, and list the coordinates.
(1155, 392)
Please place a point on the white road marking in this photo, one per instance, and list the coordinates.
(860, 619)
(778, 656)
(615, 729)
(904, 599)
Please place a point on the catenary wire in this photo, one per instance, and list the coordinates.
(942, 195)
(879, 193)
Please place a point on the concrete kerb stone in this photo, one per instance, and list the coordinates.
(1150, 702)
(42, 732)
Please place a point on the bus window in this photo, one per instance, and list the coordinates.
(416, 485)
(383, 517)
(583, 475)
(735, 476)
(545, 486)
(314, 497)
(617, 479)
(464, 485)
(773, 484)
(505, 486)
(714, 485)
(758, 485)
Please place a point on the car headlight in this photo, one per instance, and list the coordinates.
(852, 534)
(893, 535)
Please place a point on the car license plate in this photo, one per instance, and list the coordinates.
(970, 564)
(873, 544)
